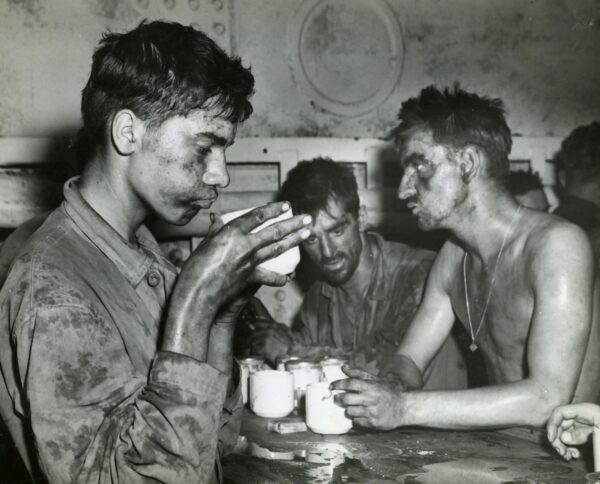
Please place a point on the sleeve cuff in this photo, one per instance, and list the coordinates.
(174, 369)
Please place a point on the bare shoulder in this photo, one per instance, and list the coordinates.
(551, 241)
(447, 263)
(549, 232)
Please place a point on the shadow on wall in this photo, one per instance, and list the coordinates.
(32, 173)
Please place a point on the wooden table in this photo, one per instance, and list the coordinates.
(408, 455)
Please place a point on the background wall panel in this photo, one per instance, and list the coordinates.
(540, 56)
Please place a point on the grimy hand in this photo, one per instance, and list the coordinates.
(370, 401)
(269, 339)
(402, 368)
(218, 270)
(225, 262)
(572, 425)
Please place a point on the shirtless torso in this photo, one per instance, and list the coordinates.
(540, 320)
(535, 334)
(505, 334)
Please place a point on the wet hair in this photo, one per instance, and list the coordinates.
(310, 185)
(159, 70)
(520, 182)
(580, 152)
(457, 119)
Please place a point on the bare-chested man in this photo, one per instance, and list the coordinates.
(521, 281)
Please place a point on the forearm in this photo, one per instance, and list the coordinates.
(404, 368)
(178, 417)
(189, 319)
(522, 403)
(108, 428)
(220, 353)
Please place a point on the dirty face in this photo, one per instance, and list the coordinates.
(335, 244)
(182, 164)
(432, 182)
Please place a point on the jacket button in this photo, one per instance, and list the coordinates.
(153, 278)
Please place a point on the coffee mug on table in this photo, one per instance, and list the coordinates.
(272, 393)
(323, 416)
(248, 365)
(332, 369)
(305, 372)
(284, 263)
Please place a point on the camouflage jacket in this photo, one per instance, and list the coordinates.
(86, 394)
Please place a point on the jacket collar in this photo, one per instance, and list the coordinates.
(132, 260)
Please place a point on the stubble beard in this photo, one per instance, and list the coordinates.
(339, 276)
(428, 221)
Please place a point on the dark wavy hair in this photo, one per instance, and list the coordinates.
(311, 184)
(457, 119)
(580, 151)
(160, 70)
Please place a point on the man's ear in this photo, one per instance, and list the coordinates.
(470, 161)
(126, 131)
(362, 218)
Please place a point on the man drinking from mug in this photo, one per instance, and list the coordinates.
(116, 367)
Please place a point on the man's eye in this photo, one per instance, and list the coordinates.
(424, 171)
(339, 231)
(203, 150)
(311, 240)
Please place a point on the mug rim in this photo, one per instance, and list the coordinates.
(258, 373)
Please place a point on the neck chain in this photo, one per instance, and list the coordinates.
(473, 346)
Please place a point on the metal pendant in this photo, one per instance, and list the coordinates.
(473, 346)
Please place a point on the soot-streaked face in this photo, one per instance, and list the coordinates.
(335, 245)
(182, 165)
(432, 183)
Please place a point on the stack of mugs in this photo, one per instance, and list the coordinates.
(296, 385)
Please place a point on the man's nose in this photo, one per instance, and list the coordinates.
(326, 248)
(407, 186)
(216, 173)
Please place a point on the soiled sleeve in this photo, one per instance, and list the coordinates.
(231, 416)
(407, 286)
(95, 419)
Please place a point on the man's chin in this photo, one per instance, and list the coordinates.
(185, 218)
(427, 224)
(336, 278)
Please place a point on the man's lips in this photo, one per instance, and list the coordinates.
(333, 263)
(204, 203)
(413, 207)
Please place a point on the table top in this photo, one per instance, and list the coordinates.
(410, 455)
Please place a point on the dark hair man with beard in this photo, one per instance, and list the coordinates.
(368, 288)
(521, 281)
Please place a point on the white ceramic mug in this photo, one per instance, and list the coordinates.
(302, 378)
(332, 370)
(248, 366)
(272, 393)
(323, 416)
(284, 263)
